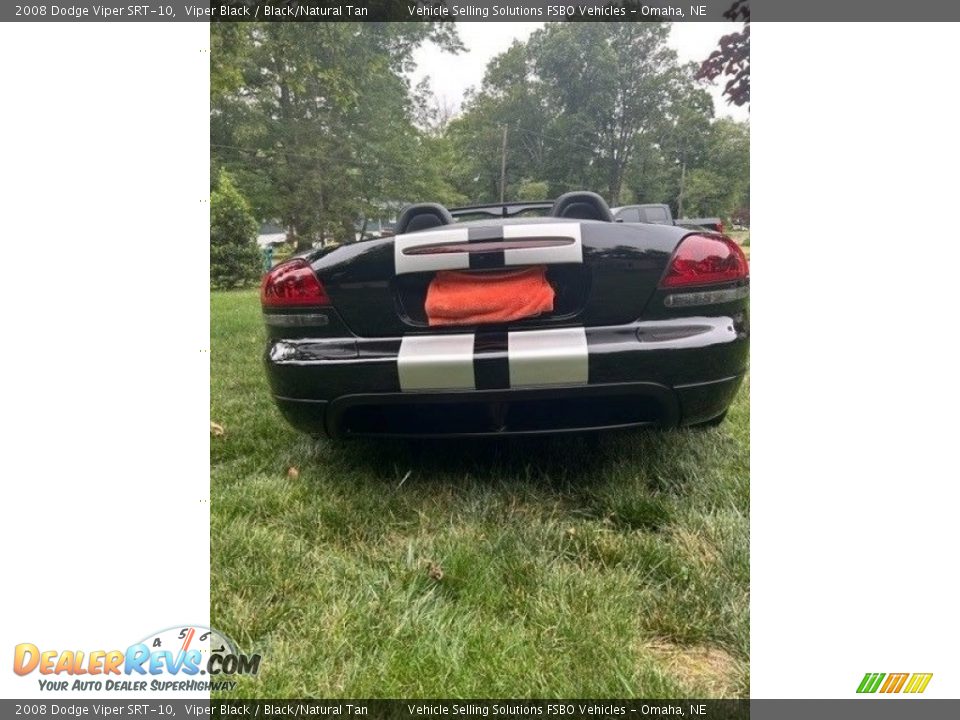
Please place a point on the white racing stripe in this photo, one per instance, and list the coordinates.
(536, 358)
(548, 357)
(427, 263)
(436, 362)
(572, 253)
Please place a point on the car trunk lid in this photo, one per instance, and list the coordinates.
(600, 273)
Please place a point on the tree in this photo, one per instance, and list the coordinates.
(533, 190)
(612, 80)
(234, 256)
(319, 127)
(582, 101)
(319, 130)
(732, 59)
(719, 184)
(679, 141)
(510, 95)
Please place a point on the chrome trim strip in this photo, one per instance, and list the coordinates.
(685, 332)
(309, 351)
(707, 383)
(296, 320)
(706, 297)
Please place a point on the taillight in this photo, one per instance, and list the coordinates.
(292, 284)
(705, 260)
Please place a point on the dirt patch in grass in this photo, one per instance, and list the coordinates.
(711, 670)
(695, 547)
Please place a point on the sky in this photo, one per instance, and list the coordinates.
(451, 75)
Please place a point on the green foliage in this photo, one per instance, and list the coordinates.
(732, 58)
(319, 130)
(319, 126)
(579, 99)
(704, 193)
(227, 47)
(601, 106)
(533, 190)
(234, 257)
(721, 184)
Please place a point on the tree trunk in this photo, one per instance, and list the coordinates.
(683, 178)
(616, 185)
(303, 241)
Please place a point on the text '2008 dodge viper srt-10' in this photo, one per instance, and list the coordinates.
(490, 321)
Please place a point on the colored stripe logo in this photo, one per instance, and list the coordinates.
(894, 683)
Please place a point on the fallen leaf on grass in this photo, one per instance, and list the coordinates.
(217, 430)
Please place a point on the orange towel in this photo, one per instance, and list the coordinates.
(465, 298)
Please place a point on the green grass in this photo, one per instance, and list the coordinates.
(741, 236)
(570, 567)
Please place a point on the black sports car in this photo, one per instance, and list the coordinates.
(509, 324)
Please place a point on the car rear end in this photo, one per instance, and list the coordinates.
(648, 326)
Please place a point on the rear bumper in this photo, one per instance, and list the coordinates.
(664, 373)
(511, 412)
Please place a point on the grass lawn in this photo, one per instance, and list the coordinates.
(558, 567)
(741, 236)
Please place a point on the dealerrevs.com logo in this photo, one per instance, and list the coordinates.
(181, 658)
(910, 683)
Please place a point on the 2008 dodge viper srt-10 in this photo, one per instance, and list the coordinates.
(509, 319)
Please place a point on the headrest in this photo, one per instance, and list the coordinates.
(423, 216)
(581, 205)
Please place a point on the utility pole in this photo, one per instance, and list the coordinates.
(503, 166)
(683, 177)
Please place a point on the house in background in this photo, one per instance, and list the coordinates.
(271, 235)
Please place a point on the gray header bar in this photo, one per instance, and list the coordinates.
(872, 708)
(472, 11)
(367, 11)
